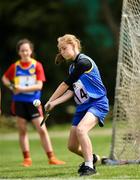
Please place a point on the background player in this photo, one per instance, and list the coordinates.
(25, 79)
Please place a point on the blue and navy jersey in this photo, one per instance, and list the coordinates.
(89, 87)
(26, 77)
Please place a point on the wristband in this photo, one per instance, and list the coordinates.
(11, 86)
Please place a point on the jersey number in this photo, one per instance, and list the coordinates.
(83, 94)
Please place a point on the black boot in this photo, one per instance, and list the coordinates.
(86, 171)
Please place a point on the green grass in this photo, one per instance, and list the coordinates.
(11, 157)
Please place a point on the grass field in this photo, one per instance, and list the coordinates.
(10, 157)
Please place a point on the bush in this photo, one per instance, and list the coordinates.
(7, 122)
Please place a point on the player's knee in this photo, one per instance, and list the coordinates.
(80, 131)
(22, 131)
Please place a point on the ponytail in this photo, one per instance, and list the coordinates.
(59, 59)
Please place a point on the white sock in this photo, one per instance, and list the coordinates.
(89, 164)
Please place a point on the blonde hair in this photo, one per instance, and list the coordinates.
(69, 39)
(66, 39)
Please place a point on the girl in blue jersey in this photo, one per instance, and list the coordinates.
(85, 85)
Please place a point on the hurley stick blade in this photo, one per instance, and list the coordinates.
(46, 115)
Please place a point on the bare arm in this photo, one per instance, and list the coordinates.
(19, 89)
(62, 88)
(65, 97)
(35, 87)
(7, 82)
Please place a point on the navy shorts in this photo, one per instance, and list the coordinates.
(26, 110)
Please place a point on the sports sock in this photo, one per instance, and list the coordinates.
(50, 154)
(89, 164)
(26, 154)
